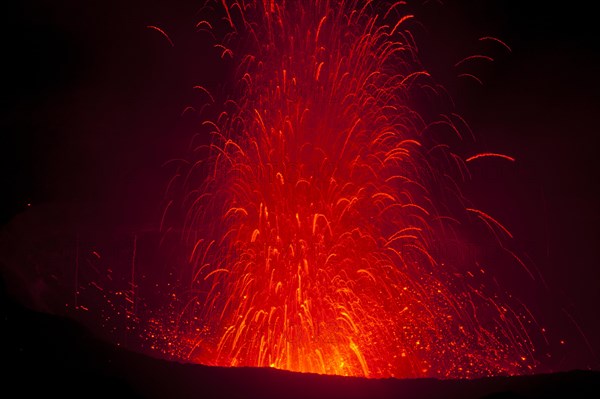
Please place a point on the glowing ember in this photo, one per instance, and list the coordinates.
(319, 216)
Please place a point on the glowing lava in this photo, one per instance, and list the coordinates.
(318, 215)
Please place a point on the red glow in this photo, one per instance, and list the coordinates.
(317, 229)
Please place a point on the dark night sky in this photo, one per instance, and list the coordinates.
(92, 101)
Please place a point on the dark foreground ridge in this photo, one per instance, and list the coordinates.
(55, 357)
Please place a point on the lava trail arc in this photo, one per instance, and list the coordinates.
(315, 215)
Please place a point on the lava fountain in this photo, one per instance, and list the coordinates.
(318, 214)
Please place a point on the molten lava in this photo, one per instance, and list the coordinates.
(318, 213)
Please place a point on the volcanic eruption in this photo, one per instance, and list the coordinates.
(323, 214)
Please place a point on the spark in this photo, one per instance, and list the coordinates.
(162, 32)
(474, 57)
(470, 76)
(495, 39)
(490, 155)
